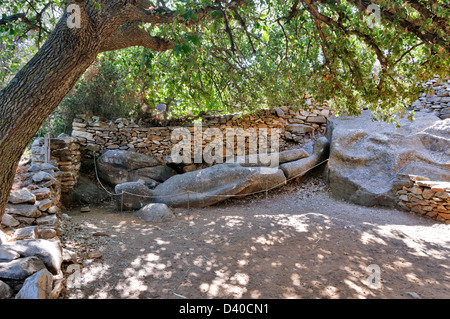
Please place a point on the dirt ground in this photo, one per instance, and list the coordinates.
(297, 242)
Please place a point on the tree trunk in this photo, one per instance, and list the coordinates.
(37, 90)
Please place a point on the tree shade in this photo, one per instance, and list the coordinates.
(236, 54)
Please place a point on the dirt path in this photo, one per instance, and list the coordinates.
(297, 243)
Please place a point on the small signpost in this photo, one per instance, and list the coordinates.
(47, 148)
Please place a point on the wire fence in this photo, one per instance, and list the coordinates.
(188, 192)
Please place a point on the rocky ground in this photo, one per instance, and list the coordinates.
(296, 242)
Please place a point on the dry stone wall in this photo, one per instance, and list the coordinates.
(428, 198)
(66, 156)
(296, 126)
(31, 254)
(436, 99)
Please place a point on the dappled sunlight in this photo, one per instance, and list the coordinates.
(240, 252)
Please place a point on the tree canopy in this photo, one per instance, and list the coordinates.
(215, 54)
(241, 55)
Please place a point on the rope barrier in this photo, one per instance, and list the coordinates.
(191, 192)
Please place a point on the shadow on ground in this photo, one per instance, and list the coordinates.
(281, 247)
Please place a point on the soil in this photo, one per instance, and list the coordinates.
(296, 242)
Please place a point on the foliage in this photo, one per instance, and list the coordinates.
(107, 89)
(264, 54)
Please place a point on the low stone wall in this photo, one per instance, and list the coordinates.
(65, 154)
(427, 198)
(31, 254)
(35, 200)
(295, 126)
(30, 250)
(436, 101)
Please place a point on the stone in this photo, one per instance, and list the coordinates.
(34, 168)
(21, 196)
(42, 193)
(50, 220)
(366, 155)
(427, 193)
(158, 173)
(25, 210)
(66, 217)
(69, 256)
(292, 155)
(302, 166)
(95, 255)
(48, 166)
(135, 195)
(9, 221)
(150, 183)
(417, 178)
(155, 212)
(316, 119)
(118, 166)
(87, 192)
(7, 255)
(54, 210)
(416, 190)
(279, 111)
(21, 268)
(42, 177)
(25, 233)
(443, 195)
(214, 184)
(272, 159)
(49, 252)
(44, 204)
(46, 232)
(299, 128)
(3, 237)
(37, 286)
(5, 291)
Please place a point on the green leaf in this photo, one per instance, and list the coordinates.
(265, 35)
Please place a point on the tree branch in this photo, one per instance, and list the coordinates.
(131, 34)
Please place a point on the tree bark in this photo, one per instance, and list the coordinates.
(42, 83)
(36, 91)
(38, 88)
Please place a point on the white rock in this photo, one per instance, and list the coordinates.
(5, 291)
(22, 196)
(37, 286)
(7, 255)
(9, 221)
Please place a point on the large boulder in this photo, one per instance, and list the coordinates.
(19, 269)
(272, 159)
(215, 184)
(366, 157)
(132, 196)
(318, 153)
(155, 212)
(87, 192)
(50, 252)
(117, 167)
